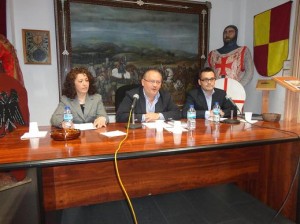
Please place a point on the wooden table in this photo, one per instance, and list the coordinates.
(262, 161)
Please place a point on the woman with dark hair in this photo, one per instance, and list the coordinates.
(79, 93)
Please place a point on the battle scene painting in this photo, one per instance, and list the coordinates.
(118, 48)
(118, 43)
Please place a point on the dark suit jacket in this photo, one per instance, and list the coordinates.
(197, 97)
(164, 105)
(93, 108)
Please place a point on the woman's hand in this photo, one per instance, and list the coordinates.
(100, 122)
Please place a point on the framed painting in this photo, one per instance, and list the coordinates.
(118, 40)
(36, 46)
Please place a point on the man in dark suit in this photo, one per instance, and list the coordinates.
(153, 103)
(204, 97)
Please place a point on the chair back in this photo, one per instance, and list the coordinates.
(120, 93)
(234, 90)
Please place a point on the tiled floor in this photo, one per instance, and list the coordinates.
(222, 204)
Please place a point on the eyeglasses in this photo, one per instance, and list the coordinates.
(208, 80)
(153, 81)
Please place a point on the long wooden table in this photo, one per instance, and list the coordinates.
(260, 158)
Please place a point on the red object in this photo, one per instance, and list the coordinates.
(10, 60)
(19, 175)
(3, 17)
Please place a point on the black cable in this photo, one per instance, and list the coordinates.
(296, 171)
(277, 129)
(289, 192)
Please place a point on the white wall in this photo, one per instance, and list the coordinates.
(41, 81)
(241, 14)
(277, 97)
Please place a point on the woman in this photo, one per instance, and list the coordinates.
(79, 93)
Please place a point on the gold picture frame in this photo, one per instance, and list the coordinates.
(36, 46)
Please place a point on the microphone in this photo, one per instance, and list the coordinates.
(233, 103)
(133, 125)
(231, 120)
(135, 98)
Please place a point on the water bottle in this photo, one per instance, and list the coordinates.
(191, 118)
(216, 112)
(68, 117)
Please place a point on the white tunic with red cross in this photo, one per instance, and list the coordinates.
(230, 65)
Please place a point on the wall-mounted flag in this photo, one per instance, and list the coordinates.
(271, 39)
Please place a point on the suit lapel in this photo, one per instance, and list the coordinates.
(88, 105)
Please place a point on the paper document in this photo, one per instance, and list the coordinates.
(153, 125)
(85, 126)
(171, 129)
(113, 133)
(40, 134)
(251, 122)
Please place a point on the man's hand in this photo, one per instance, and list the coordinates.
(151, 117)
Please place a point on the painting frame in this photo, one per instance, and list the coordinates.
(36, 46)
(64, 21)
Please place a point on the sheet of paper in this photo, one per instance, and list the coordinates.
(113, 133)
(85, 126)
(40, 134)
(251, 122)
(183, 124)
(153, 125)
(221, 118)
(171, 129)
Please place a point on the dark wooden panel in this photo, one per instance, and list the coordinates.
(75, 185)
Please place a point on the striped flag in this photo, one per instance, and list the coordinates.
(271, 39)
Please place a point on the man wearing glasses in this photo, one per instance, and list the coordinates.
(204, 97)
(153, 103)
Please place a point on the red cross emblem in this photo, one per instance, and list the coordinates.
(223, 65)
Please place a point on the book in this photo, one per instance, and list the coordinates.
(294, 83)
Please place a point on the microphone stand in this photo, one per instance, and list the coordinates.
(133, 125)
(231, 120)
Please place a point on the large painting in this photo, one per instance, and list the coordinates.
(118, 40)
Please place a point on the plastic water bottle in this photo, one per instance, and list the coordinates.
(68, 117)
(191, 118)
(216, 112)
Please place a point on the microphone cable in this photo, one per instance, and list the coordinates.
(276, 129)
(289, 192)
(296, 171)
(118, 174)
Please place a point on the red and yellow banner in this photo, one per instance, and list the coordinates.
(271, 39)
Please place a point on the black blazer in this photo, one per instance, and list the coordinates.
(164, 105)
(197, 97)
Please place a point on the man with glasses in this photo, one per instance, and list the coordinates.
(153, 103)
(204, 97)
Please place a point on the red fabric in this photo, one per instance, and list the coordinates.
(3, 17)
(10, 60)
(280, 20)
